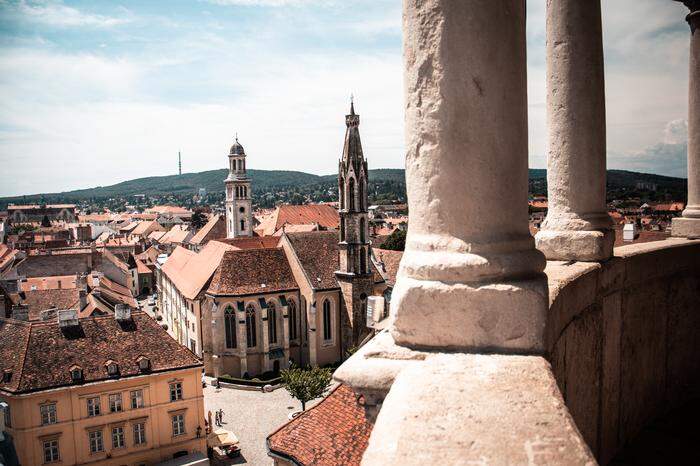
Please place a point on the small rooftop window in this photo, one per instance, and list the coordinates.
(6, 376)
(76, 374)
(144, 364)
(112, 368)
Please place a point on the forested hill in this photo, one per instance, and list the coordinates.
(268, 183)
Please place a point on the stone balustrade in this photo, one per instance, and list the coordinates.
(492, 355)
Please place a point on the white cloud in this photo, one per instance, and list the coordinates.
(676, 132)
(272, 3)
(55, 13)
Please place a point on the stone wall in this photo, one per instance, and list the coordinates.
(622, 338)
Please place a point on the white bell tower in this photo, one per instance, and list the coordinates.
(239, 197)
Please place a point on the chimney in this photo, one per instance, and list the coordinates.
(82, 294)
(122, 312)
(68, 318)
(20, 312)
(4, 407)
(81, 281)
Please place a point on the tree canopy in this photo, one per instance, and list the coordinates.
(306, 384)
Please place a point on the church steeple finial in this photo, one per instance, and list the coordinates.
(353, 119)
(352, 104)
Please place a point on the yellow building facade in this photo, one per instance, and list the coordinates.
(149, 408)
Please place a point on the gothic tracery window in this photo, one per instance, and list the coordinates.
(230, 327)
(351, 194)
(292, 307)
(250, 326)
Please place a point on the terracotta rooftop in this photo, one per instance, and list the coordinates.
(48, 283)
(257, 242)
(391, 260)
(36, 206)
(334, 432)
(216, 224)
(144, 226)
(41, 300)
(168, 209)
(190, 271)
(318, 253)
(252, 271)
(40, 354)
(321, 214)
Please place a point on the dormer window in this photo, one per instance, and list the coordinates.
(6, 376)
(144, 364)
(76, 374)
(112, 368)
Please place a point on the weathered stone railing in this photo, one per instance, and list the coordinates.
(621, 337)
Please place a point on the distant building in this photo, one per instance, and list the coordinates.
(239, 195)
(36, 213)
(294, 218)
(112, 390)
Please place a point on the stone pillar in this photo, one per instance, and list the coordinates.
(285, 336)
(577, 226)
(218, 343)
(688, 225)
(470, 277)
(312, 336)
(242, 340)
(266, 339)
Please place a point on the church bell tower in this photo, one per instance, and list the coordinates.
(355, 274)
(239, 197)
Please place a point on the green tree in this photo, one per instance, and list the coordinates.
(396, 241)
(198, 220)
(306, 384)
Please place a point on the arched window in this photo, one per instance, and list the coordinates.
(250, 330)
(351, 194)
(242, 225)
(272, 322)
(363, 303)
(363, 262)
(292, 307)
(327, 321)
(342, 229)
(362, 229)
(230, 327)
(361, 189)
(245, 191)
(341, 192)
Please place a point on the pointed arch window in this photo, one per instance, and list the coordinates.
(351, 194)
(342, 229)
(363, 225)
(292, 307)
(327, 319)
(242, 225)
(250, 329)
(341, 192)
(361, 201)
(230, 327)
(272, 321)
(363, 262)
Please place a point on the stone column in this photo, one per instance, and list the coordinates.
(311, 331)
(242, 340)
(470, 277)
(266, 338)
(688, 225)
(577, 226)
(285, 336)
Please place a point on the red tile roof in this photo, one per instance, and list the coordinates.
(41, 300)
(252, 271)
(215, 228)
(334, 432)
(190, 271)
(40, 354)
(257, 242)
(317, 252)
(322, 214)
(391, 260)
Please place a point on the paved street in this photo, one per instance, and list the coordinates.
(252, 416)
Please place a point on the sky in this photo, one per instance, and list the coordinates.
(93, 93)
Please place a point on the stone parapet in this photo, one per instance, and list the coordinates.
(621, 337)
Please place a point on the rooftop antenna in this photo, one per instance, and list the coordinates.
(179, 163)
